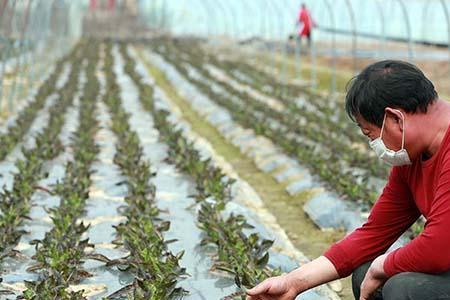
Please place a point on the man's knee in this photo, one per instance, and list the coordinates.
(403, 286)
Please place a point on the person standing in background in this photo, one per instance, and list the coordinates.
(306, 23)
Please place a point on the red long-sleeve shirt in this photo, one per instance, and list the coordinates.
(420, 188)
(305, 19)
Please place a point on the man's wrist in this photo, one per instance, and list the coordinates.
(312, 274)
(296, 280)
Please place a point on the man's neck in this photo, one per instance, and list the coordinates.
(438, 119)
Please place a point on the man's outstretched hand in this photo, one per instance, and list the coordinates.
(279, 287)
(288, 286)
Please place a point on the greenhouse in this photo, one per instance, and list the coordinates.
(206, 149)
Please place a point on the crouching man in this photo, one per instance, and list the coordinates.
(407, 125)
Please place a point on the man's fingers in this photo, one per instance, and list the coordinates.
(258, 298)
(364, 295)
(259, 289)
(368, 287)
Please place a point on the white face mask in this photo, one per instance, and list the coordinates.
(391, 157)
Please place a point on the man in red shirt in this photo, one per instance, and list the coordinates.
(399, 111)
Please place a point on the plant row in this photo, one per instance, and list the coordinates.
(326, 164)
(243, 256)
(16, 132)
(15, 204)
(59, 255)
(156, 270)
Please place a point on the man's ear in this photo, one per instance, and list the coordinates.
(396, 115)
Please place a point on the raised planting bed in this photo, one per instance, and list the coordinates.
(155, 268)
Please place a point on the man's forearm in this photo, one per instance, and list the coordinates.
(312, 274)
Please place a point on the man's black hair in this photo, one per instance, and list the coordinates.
(388, 83)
